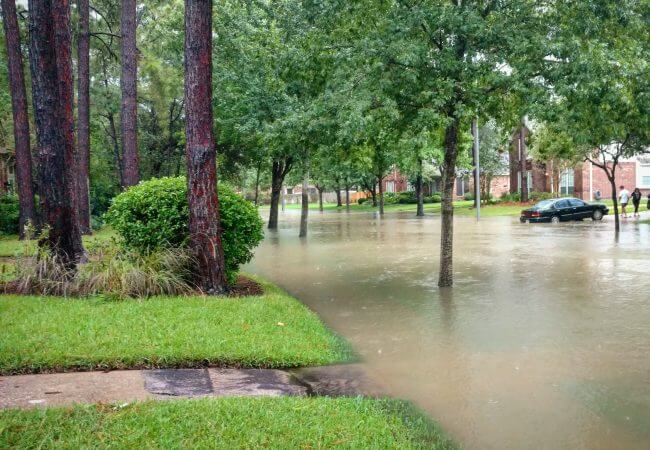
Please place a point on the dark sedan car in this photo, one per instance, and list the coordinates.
(563, 209)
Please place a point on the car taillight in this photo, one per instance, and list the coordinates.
(535, 214)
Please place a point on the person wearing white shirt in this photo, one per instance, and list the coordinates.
(624, 197)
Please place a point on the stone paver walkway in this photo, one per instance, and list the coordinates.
(123, 386)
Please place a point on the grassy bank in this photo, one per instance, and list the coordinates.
(226, 424)
(56, 334)
(461, 208)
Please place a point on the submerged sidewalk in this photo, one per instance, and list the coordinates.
(124, 386)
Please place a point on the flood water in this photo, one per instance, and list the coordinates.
(543, 343)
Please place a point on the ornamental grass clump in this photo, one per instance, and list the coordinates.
(154, 216)
(108, 272)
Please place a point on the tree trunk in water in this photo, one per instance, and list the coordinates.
(617, 222)
(381, 196)
(347, 198)
(373, 192)
(446, 275)
(21, 120)
(524, 166)
(52, 87)
(338, 197)
(257, 184)
(418, 191)
(83, 116)
(304, 212)
(279, 171)
(205, 228)
(320, 198)
(129, 111)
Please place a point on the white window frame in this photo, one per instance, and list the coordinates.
(643, 171)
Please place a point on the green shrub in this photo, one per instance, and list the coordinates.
(362, 200)
(407, 197)
(540, 195)
(434, 198)
(154, 215)
(390, 198)
(9, 214)
(468, 196)
(507, 197)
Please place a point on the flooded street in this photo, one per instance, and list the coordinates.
(543, 343)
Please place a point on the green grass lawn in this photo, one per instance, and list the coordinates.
(42, 334)
(227, 423)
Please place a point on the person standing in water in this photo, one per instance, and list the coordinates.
(624, 197)
(636, 201)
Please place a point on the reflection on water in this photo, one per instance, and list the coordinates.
(543, 343)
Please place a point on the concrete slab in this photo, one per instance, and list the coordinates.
(29, 391)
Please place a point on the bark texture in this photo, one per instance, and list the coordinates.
(20, 118)
(418, 191)
(83, 116)
(320, 196)
(524, 166)
(129, 110)
(52, 87)
(304, 211)
(446, 275)
(338, 196)
(205, 229)
(279, 171)
(381, 195)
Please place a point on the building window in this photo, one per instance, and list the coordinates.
(645, 175)
(529, 180)
(566, 182)
(390, 186)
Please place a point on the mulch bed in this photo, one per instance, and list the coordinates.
(245, 287)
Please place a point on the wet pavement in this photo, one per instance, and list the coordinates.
(543, 343)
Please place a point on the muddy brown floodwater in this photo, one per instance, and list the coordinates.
(543, 343)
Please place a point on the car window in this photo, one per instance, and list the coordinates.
(544, 204)
(562, 204)
(576, 202)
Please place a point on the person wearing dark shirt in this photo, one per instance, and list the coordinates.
(636, 201)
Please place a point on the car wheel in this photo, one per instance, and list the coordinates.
(598, 215)
(555, 219)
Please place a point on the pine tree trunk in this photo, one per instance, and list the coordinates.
(21, 120)
(205, 228)
(446, 275)
(52, 87)
(129, 111)
(304, 211)
(83, 116)
(418, 191)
